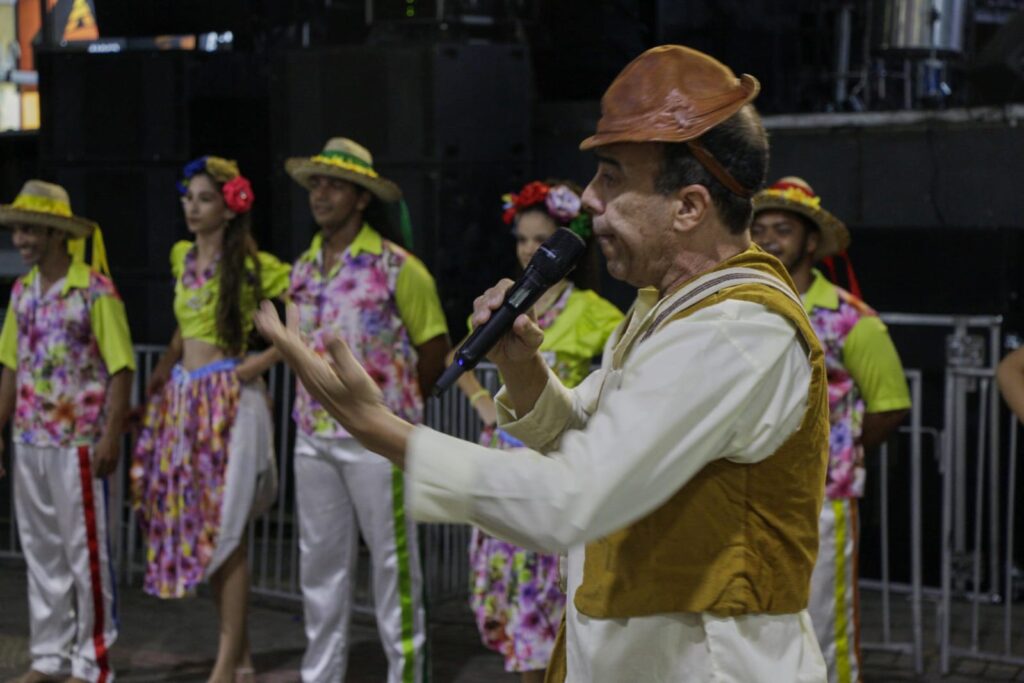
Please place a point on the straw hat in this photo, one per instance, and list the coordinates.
(345, 159)
(45, 204)
(795, 194)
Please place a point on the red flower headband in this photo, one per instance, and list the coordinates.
(559, 201)
(235, 187)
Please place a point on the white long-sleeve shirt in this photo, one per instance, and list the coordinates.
(730, 381)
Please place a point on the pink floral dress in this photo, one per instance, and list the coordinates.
(514, 592)
(179, 464)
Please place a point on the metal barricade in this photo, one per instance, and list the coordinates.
(963, 573)
(972, 518)
(915, 645)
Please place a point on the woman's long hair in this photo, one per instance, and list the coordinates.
(238, 248)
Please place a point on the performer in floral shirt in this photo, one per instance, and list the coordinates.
(355, 283)
(68, 363)
(868, 398)
(515, 592)
(204, 461)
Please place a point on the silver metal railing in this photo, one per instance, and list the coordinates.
(914, 646)
(975, 528)
(963, 574)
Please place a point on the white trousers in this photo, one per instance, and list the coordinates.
(835, 600)
(343, 490)
(62, 522)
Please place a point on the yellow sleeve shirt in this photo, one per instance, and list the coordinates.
(63, 345)
(867, 351)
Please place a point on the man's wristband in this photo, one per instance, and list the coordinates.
(477, 395)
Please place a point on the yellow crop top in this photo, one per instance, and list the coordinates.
(195, 305)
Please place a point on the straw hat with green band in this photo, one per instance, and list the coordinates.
(47, 205)
(794, 194)
(345, 159)
(348, 160)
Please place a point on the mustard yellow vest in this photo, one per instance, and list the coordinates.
(737, 538)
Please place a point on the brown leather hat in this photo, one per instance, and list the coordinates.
(670, 93)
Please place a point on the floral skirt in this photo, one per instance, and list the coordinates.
(192, 507)
(514, 593)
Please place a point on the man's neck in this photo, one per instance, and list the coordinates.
(701, 257)
(803, 276)
(53, 267)
(336, 239)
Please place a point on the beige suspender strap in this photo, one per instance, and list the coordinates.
(710, 284)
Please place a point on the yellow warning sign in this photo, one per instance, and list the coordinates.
(81, 22)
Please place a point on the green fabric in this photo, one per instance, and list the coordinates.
(405, 222)
(107, 317)
(821, 293)
(345, 156)
(404, 576)
(418, 303)
(9, 340)
(875, 366)
(579, 333)
(200, 321)
(868, 352)
(366, 240)
(110, 328)
(274, 275)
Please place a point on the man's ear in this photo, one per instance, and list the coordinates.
(365, 197)
(692, 207)
(813, 240)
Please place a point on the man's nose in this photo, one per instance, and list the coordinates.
(591, 203)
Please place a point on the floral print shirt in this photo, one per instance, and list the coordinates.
(382, 301)
(63, 345)
(864, 376)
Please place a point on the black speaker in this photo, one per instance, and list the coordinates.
(137, 207)
(997, 74)
(113, 107)
(449, 123)
(406, 103)
(166, 17)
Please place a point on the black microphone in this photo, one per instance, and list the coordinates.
(552, 261)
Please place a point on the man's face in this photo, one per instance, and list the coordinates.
(334, 202)
(785, 236)
(35, 243)
(632, 221)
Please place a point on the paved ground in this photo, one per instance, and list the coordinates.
(163, 641)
